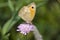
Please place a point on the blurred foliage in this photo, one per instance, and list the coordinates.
(47, 19)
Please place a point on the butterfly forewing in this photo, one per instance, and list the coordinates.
(25, 12)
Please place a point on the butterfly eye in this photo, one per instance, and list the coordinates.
(32, 7)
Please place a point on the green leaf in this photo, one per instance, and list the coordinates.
(11, 5)
(6, 26)
(9, 24)
(5, 37)
(18, 5)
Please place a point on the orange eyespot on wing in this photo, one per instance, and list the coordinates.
(32, 12)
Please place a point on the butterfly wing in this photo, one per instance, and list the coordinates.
(27, 13)
(24, 13)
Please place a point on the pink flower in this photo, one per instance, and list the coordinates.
(25, 28)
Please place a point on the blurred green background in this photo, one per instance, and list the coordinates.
(47, 19)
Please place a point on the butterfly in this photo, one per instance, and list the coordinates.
(27, 13)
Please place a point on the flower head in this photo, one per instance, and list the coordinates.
(25, 28)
